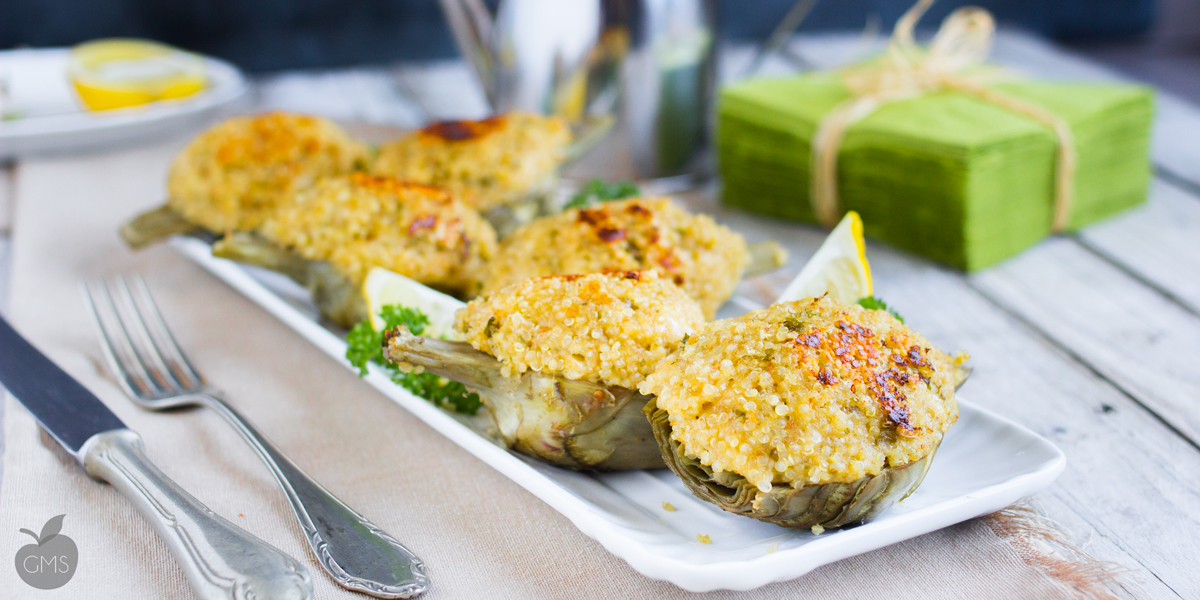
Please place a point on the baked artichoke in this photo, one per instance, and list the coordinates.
(565, 422)
(557, 361)
(506, 166)
(234, 175)
(804, 414)
(330, 235)
(704, 258)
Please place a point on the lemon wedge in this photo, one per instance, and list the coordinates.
(839, 267)
(118, 73)
(383, 287)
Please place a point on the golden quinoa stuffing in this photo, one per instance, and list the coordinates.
(359, 221)
(693, 251)
(807, 392)
(608, 328)
(484, 163)
(233, 175)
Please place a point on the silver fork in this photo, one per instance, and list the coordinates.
(157, 375)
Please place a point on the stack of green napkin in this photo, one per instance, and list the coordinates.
(947, 176)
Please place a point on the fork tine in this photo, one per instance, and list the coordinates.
(178, 363)
(139, 337)
(135, 347)
(129, 370)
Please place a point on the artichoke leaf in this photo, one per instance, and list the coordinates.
(962, 375)
(827, 505)
(569, 423)
(155, 225)
(765, 256)
(538, 201)
(339, 299)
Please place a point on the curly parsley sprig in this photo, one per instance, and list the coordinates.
(365, 345)
(596, 191)
(874, 303)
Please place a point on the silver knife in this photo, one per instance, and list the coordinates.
(220, 559)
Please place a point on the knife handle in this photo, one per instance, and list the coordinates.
(221, 560)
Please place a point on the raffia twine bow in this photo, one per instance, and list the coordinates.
(953, 61)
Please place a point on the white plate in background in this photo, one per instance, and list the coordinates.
(984, 464)
(50, 118)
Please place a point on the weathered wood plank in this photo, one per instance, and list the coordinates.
(1158, 243)
(1130, 491)
(1130, 487)
(1130, 334)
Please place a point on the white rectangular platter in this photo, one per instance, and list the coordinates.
(985, 463)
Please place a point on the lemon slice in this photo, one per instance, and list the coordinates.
(839, 267)
(119, 73)
(384, 287)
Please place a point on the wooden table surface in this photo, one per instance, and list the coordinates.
(1090, 339)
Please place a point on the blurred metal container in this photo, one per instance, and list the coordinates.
(651, 64)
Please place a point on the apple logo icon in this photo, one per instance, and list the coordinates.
(50, 562)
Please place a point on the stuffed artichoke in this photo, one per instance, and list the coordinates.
(706, 259)
(804, 414)
(328, 236)
(504, 166)
(233, 176)
(557, 361)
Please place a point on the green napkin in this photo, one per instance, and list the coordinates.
(947, 176)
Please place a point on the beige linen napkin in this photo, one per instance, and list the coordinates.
(481, 535)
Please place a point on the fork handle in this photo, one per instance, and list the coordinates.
(356, 553)
(221, 560)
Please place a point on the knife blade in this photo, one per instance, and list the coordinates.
(221, 560)
(64, 408)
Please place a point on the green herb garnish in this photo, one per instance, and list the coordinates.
(596, 191)
(365, 345)
(874, 303)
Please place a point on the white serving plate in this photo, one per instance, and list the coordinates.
(985, 463)
(55, 120)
